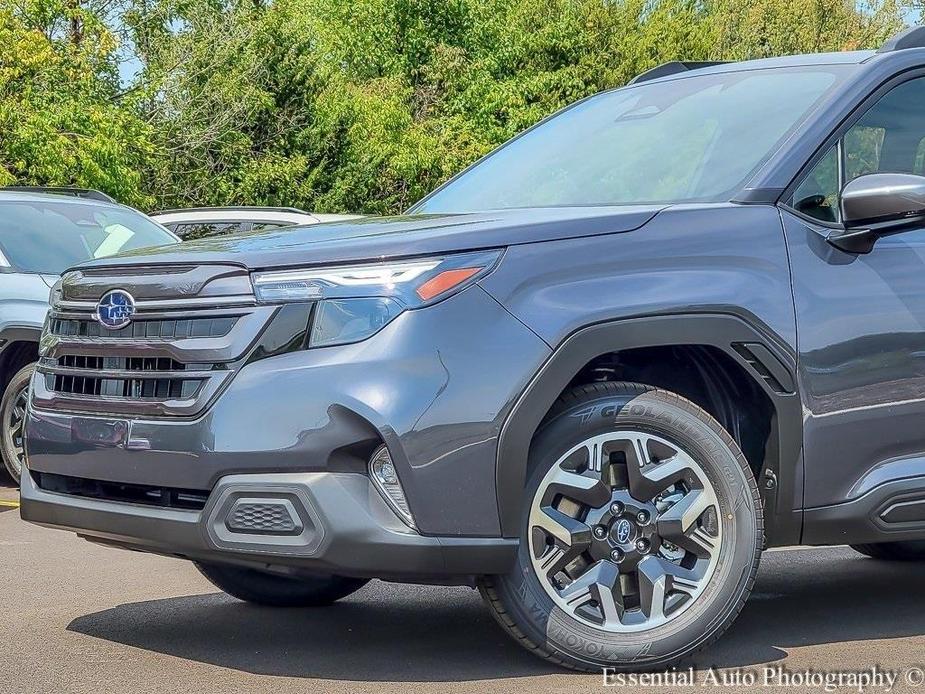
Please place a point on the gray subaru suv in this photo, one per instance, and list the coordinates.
(594, 375)
(43, 231)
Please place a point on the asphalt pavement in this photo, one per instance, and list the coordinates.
(82, 618)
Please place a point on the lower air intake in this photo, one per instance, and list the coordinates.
(273, 517)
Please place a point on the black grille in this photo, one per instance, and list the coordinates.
(148, 329)
(169, 497)
(142, 388)
(79, 361)
(112, 379)
(192, 330)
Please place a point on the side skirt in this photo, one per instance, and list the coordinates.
(890, 512)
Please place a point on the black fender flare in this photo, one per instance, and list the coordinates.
(20, 333)
(9, 335)
(782, 489)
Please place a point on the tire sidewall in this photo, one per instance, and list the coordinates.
(669, 418)
(20, 380)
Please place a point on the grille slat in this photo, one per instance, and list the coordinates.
(134, 388)
(93, 363)
(144, 378)
(160, 329)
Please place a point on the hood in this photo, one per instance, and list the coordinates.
(372, 238)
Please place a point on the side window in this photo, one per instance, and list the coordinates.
(919, 167)
(888, 138)
(817, 195)
(862, 146)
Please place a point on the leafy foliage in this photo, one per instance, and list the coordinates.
(60, 119)
(343, 105)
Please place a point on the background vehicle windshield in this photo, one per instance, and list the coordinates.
(693, 139)
(49, 237)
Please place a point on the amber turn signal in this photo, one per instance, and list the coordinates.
(445, 281)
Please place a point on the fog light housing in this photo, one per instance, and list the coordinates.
(385, 478)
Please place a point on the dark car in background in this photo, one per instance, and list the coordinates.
(595, 375)
(44, 231)
(203, 222)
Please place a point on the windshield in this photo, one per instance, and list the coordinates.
(48, 237)
(693, 139)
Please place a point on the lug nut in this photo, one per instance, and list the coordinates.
(643, 517)
(616, 508)
(600, 532)
(617, 555)
(642, 546)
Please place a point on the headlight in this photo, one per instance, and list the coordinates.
(356, 301)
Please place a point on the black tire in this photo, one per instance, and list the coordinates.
(12, 412)
(912, 550)
(272, 590)
(524, 609)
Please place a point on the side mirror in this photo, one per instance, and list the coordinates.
(876, 205)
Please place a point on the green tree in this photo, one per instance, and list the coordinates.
(60, 120)
(344, 105)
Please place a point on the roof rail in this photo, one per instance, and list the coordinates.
(87, 193)
(673, 68)
(255, 208)
(913, 37)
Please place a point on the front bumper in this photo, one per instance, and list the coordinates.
(435, 385)
(309, 522)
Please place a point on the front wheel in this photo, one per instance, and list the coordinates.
(272, 590)
(12, 418)
(642, 532)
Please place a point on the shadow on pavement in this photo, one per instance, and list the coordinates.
(798, 601)
(411, 640)
(813, 597)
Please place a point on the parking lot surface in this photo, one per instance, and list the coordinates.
(83, 618)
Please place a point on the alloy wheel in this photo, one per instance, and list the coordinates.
(624, 531)
(15, 420)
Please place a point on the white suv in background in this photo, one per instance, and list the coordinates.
(202, 222)
(44, 231)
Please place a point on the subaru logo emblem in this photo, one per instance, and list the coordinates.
(624, 531)
(115, 309)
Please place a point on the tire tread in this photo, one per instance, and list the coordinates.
(260, 588)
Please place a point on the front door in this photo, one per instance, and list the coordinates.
(861, 318)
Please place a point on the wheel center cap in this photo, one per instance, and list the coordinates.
(623, 531)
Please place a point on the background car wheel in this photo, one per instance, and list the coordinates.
(642, 532)
(894, 551)
(12, 417)
(273, 590)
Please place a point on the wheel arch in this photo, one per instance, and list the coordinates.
(756, 354)
(19, 345)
